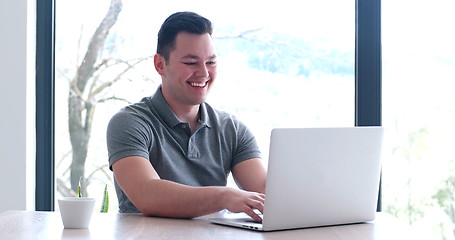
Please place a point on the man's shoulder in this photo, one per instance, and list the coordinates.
(222, 119)
(133, 112)
(141, 107)
(217, 114)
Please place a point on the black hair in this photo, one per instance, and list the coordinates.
(180, 22)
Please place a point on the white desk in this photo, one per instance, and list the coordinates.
(48, 225)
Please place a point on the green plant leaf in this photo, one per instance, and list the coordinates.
(105, 203)
(79, 192)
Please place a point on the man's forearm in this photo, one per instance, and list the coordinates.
(169, 199)
(156, 197)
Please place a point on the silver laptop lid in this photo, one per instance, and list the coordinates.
(322, 176)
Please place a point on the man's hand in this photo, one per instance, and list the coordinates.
(242, 201)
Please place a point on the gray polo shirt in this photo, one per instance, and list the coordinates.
(150, 129)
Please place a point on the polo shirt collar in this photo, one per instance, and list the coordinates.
(204, 119)
(165, 111)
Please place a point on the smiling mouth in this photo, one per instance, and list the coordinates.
(201, 85)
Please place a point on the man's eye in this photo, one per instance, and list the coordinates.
(211, 63)
(189, 63)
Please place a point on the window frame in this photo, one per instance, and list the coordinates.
(368, 87)
(368, 68)
(45, 36)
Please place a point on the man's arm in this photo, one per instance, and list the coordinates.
(250, 175)
(156, 197)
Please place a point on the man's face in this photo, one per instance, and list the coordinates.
(190, 71)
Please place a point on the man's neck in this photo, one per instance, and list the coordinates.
(186, 113)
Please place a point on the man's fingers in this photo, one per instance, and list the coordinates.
(259, 205)
(250, 212)
(260, 197)
(247, 202)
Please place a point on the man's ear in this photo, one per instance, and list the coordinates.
(160, 64)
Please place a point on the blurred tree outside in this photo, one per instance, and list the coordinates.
(97, 72)
(445, 199)
(407, 203)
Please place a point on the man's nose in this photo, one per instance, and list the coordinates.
(202, 71)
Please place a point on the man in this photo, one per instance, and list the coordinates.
(171, 153)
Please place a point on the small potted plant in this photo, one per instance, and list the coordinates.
(77, 211)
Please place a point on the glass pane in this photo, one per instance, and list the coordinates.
(283, 65)
(418, 114)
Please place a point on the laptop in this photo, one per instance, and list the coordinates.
(318, 177)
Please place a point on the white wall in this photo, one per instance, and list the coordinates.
(17, 104)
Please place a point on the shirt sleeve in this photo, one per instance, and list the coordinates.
(247, 146)
(127, 135)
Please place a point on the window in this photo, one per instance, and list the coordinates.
(332, 66)
(419, 111)
(282, 66)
